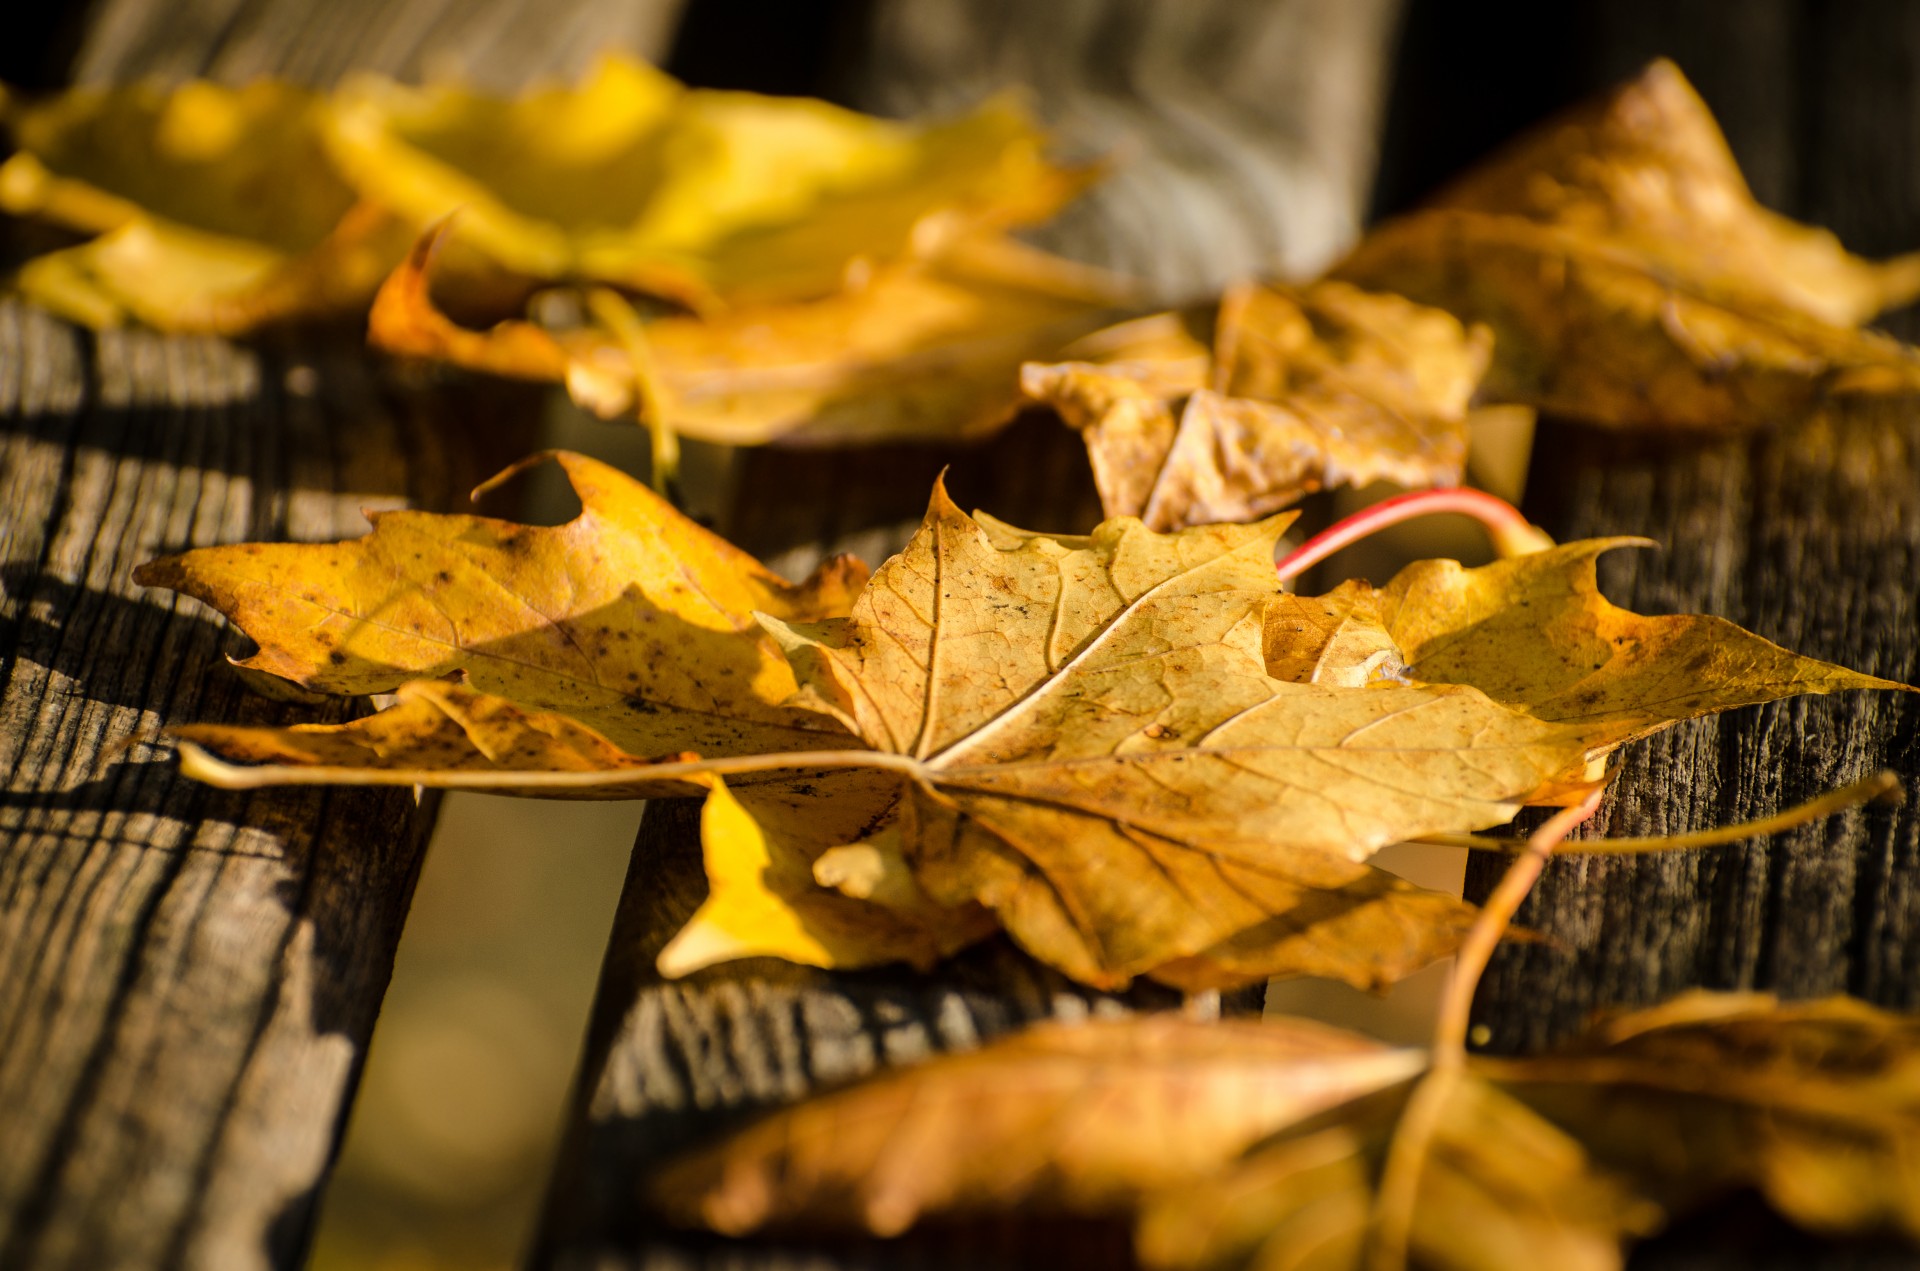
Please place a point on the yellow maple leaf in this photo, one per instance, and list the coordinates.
(1107, 741)
(1630, 278)
(699, 195)
(217, 208)
(223, 209)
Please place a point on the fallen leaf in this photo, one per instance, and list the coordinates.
(1630, 278)
(1502, 1189)
(1110, 742)
(1534, 633)
(762, 845)
(217, 208)
(1243, 1144)
(1092, 719)
(701, 196)
(1814, 1104)
(1086, 1118)
(630, 618)
(916, 351)
(223, 209)
(1305, 389)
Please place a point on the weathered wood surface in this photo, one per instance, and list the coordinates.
(1239, 138)
(190, 976)
(1809, 535)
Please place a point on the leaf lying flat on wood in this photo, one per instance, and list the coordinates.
(1815, 1104)
(1305, 389)
(701, 196)
(1085, 1118)
(1630, 278)
(217, 208)
(1123, 745)
(1501, 1190)
(1534, 633)
(630, 619)
(226, 208)
(918, 351)
(1248, 1145)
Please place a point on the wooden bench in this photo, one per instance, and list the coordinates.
(188, 978)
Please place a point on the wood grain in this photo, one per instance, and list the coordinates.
(1809, 535)
(190, 976)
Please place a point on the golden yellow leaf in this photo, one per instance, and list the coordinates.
(217, 207)
(1502, 1190)
(223, 208)
(630, 618)
(1629, 277)
(917, 351)
(1646, 166)
(1092, 720)
(1084, 1118)
(1127, 745)
(701, 196)
(1305, 388)
(1535, 634)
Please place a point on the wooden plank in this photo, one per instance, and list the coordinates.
(1239, 139)
(1809, 535)
(190, 976)
(498, 45)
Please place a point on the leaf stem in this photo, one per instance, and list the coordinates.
(1511, 533)
(1392, 1227)
(612, 311)
(1866, 790)
(202, 765)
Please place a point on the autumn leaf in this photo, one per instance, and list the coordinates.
(700, 196)
(1302, 389)
(1263, 1144)
(1630, 278)
(629, 619)
(216, 208)
(1815, 1104)
(919, 351)
(1534, 633)
(1105, 741)
(1501, 1190)
(222, 209)
(1085, 1118)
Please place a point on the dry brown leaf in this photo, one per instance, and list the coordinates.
(1085, 1118)
(1115, 743)
(1815, 1104)
(1304, 389)
(1502, 1190)
(1630, 278)
(1262, 1145)
(916, 351)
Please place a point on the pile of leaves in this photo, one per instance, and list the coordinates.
(734, 266)
(1134, 751)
